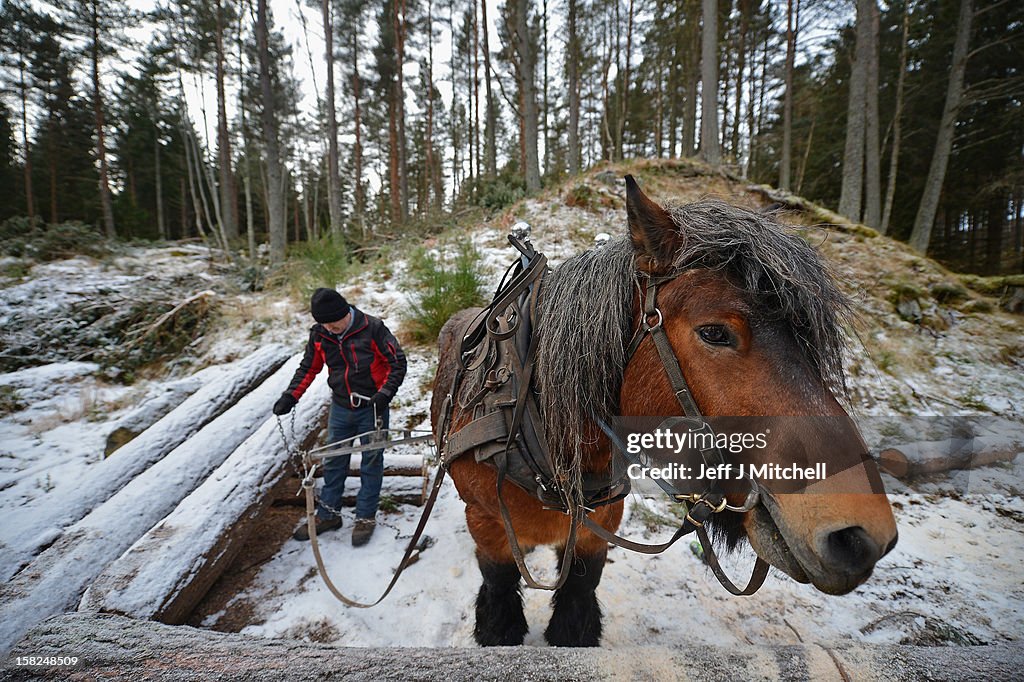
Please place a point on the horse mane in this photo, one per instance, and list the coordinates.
(586, 319)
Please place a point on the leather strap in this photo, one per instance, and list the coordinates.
(757, 577)
(513, 541)
(402, 565)
(486, 429)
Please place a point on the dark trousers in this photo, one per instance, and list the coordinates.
(344, 423)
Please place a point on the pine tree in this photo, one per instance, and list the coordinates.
(100, 24)
(276, 226)
(710, 151)
(926, 210)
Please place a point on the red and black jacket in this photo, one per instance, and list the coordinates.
(364, 360)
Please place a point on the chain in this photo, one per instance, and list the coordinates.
(296, 457)
(297, 461)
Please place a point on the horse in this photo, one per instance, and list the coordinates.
(756, 322)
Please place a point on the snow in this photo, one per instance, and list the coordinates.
(31, 525)
(161, 563)
(54, 581)
(957, 562)
(955, 574)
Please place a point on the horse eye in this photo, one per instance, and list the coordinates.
(715, 334)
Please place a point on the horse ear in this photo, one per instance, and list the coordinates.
(654, 234)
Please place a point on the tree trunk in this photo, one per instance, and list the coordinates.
(944, 141)
(607, 144)
(106, 202)
(30, 204)
(872, 162)
(1018, 230)
(491, 113)
(792, 26)
(526, 75)
(741, 63)
(399, 101)
(333, 180)
(160, 225)
(894, 157)
(357, 147)
(199, 171)
(224, 171)
(572, 68)
(475, 97)
(710, 151)
(191, 178)
(995, 223)
(546, 106)
(624, 88)
(803, 160)
(51, 162)
(723, 80)
(276, 227)
(674, 89)
(394, 182)
(757, 120)
(853, 155)
(429, 133)
(182, 209)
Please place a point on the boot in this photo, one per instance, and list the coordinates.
(362, 531)
(322, 526)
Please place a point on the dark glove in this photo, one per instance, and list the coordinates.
(284, 404)
(379, 402)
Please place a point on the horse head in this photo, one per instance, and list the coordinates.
(755, 321)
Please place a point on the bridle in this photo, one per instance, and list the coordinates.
(700, 505)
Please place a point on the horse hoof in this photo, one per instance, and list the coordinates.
(500, 621)
(575, 623)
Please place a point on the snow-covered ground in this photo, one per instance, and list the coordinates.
(954, 578)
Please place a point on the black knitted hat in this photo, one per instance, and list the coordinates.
(327, 305)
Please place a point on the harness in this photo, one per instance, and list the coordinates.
(494, 381)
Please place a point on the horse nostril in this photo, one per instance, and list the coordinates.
(851, 549)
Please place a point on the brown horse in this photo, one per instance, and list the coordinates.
(755, 321)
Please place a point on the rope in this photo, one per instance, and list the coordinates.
(309, 487)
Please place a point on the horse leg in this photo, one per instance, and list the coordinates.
(576, 620)
(499, 605)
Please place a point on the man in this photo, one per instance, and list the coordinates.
(365, 367)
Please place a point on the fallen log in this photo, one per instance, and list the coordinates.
(818, 213)
(118, 648)
(394, 465)
(401, 489)
(154, 406)
(29, 528)
(169, 569)
(908, 460)
(55, 580)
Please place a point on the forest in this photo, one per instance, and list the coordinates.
(182, 119)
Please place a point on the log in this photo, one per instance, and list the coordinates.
(155, 406)
(403, 490)
(170, 568)
(394, 465)
(119, 648)
(908, 460)
(55, 580)
(29, 528)
(818, 213)
(407, 490)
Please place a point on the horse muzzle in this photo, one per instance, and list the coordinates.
(836, 556)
